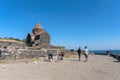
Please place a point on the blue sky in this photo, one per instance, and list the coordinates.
(71, 23)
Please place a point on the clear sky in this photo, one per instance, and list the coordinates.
(71, 23)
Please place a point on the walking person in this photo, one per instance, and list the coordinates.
(50, 56)
(79, 53)
(86, 52)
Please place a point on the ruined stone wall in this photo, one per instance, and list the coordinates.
(15, 54)
(12, 45)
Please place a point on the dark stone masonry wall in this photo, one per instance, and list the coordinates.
(6, 45)
(38, 37)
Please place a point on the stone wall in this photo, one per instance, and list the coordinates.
(12, 45)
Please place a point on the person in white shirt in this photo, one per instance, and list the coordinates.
(86, 53)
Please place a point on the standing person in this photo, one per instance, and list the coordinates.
(86, 53)
(62, 55)
(107, 52)
(79, 53)
(59, 57)
(0, 53)
(50, 56)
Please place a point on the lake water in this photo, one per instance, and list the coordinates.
(104, 51)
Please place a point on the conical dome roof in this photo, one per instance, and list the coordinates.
(38, 29)
(38, 26)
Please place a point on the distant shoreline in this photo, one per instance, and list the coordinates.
(103, 52)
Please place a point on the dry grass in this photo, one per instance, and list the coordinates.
(10, 40)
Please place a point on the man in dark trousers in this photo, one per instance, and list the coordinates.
(79, 53)
(0, 53)
(62, 55)
(50, 56)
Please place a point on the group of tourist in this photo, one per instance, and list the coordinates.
(86, 52)
(59, 56)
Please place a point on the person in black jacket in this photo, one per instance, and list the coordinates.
(79, 53)
(0, 53)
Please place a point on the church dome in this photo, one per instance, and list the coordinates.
(38, 29)
(38, 26)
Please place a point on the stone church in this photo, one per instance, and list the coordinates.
(38, 37)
